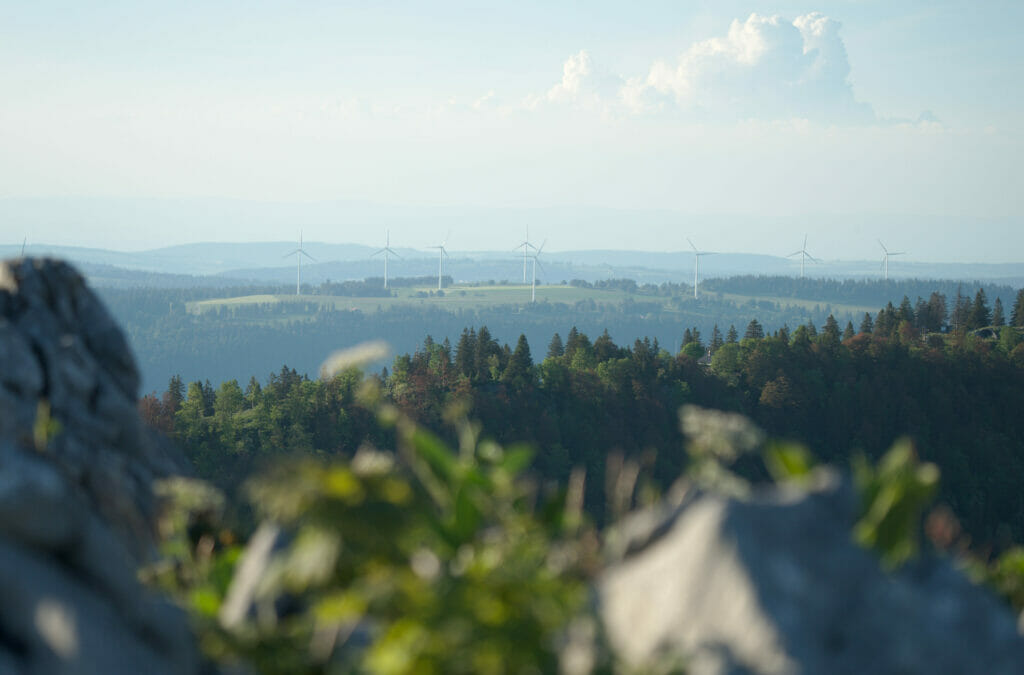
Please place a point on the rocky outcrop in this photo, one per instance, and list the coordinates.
(76, 503)
(774, 584)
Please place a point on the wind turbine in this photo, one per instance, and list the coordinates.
(885, 257)
(804, 255)
(23, 242)
(696, 265)
(298, 253)
(387, 251)
(526, 246)
(533, 284)
(441, 255)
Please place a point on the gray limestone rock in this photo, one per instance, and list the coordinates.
(76, 502)
(775, 585)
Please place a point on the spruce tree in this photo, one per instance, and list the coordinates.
(980, 315)
(1017, 315)
(520, 363)
(465, 353)
(830, 335)
(848, 331)
(555, 347)
(716, 338)
(732, 336)
(604, 348)
(754, 330)
(867, 325)
(175, 393)
(998, 319)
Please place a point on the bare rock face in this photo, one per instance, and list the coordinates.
(76, 505)
(774, 585)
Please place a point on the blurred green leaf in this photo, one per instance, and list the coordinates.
(788, 461)
(894, 495)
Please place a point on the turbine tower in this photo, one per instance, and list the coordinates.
(526, 246)
(696, 265)
(804, 256)
(387, 251)
(441, 255)
(885, 257)
(298, 253)
(533, 284)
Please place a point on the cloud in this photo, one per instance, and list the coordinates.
(583, 85)
(762, 68)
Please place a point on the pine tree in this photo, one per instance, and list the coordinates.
(998, 319)
(486, 347)
(687, 337)
(906, 310)
(175, 393)
(848, 331)
(732, 336)
(716, 338)
(980, 315)
(961, 311)
(604, 348)
(783, 334)
(867, 325)
(465, 353)
(555, 347)
(830, 335)
(572, 343)
(937, 313)
(520, 364)
(1017, 315)
(754, 330)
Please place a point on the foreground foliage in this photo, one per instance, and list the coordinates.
(425, 560)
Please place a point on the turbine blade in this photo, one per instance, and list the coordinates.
(541, 248)
(883, 246)
(691, 245)
(291, 253)
(307, 255)
(794, 253)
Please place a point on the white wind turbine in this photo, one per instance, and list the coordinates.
(441, 255)
(696, 265)
(533, 284)
(885, 257)
(298, 253)
(387, 251)
(526, 246)
(804, 256)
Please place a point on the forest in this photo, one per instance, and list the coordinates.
(235, 341)
(583, 401)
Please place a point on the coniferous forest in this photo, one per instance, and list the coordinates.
(946, 378)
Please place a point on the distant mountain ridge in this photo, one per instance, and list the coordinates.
(268, 262)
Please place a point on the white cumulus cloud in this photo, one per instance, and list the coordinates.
(583, 85)
(765, 67)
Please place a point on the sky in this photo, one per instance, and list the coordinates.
(740, 125)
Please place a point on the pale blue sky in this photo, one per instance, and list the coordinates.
(786, 115)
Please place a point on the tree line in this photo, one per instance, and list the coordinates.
(583, 402)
